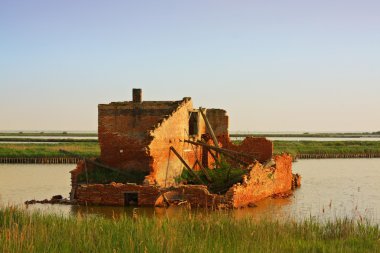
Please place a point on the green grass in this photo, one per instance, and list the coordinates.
(68, 139)
(63, 133)
(310, 135)
(87, 149)
(91, 149)
(327, 147)
(216, 232)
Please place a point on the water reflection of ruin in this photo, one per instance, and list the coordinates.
(156, 153)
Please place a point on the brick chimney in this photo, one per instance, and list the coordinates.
(137, 95)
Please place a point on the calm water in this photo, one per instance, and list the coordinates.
(330, 188)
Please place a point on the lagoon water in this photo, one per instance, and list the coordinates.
(331, 188)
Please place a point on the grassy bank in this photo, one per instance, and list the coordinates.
(232, 134)
(41, 140)
(87, 149)
(44, 134)
(91, 149)
(327, 147)
(22, 232)
(311, 135)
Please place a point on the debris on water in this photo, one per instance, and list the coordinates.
(282, 195)
(56, 199)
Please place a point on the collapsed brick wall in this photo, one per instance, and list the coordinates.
(259, 147)
(262, 182)
(113, 195)
(171, 132)
(138, 136)
(79, 169)
(218, 119)
(124, 132)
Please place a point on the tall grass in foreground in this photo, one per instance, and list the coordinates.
(34, 232)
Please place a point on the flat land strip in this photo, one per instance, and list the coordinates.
(42, 134)
(91, 148)
(327, 147)
(312, 135)
(233, 134)
(22, 231)
(32, 150)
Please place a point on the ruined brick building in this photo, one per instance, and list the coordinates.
(151, 142)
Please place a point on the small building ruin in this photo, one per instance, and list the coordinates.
(146, 146)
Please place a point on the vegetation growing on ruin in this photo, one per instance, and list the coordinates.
(22, 231)
(222, 177)
(97, 175)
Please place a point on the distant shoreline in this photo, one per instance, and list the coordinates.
(49, 152)
(74, 160)
(234, 134)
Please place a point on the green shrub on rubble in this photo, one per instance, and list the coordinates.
(222, 176)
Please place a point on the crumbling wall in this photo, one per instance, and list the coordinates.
(136, 137)
(260, 148)
(262, 182)
(113, 195)
(124, 132)
(79, 169)
(171, 132)
(218, 119)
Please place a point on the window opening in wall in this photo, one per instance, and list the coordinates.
(131, 198)
(194, 123)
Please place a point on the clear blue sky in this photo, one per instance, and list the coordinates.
(273, 65)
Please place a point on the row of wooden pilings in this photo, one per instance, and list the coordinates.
(330, 156)
(40, 160)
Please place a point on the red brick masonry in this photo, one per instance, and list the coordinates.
(138, 136)
(259, 183)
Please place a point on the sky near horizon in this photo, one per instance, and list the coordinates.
(273, 65)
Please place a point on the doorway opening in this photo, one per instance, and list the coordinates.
(131, 198)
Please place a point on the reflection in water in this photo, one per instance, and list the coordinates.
(331, 188)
